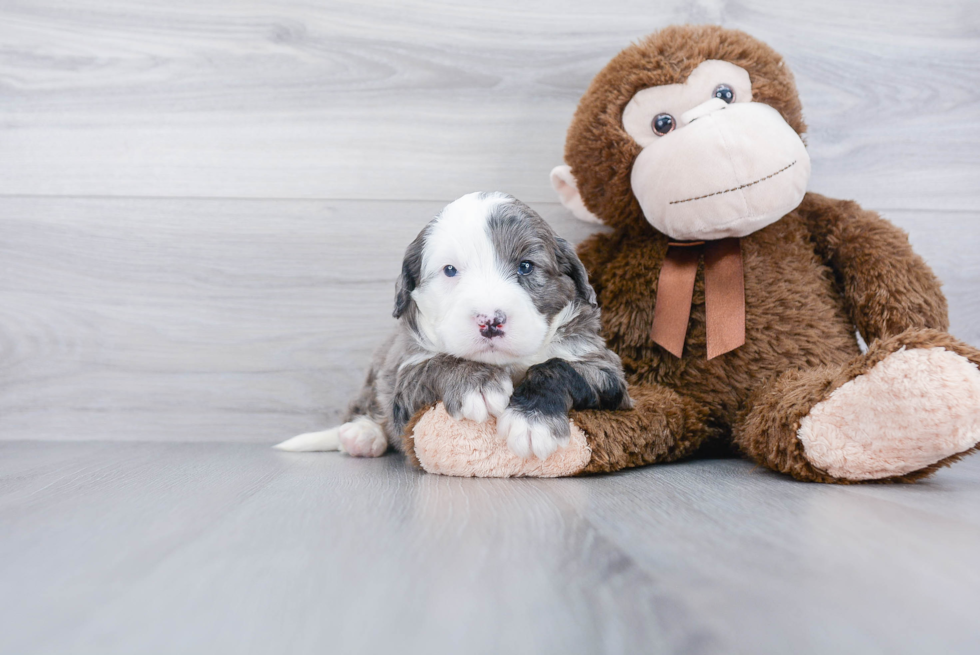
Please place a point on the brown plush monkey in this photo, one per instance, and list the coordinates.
(732, 295)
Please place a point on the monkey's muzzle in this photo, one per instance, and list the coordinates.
(727, 171)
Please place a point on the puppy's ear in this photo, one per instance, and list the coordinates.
(411, 273)
(572, 266)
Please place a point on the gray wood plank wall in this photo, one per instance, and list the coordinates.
(203, 204)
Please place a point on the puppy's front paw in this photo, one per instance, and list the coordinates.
(482, 401)
(530, 433)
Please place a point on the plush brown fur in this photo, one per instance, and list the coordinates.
(663, 427)
(811, 279)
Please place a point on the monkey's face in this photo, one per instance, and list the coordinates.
(713, 163)
(693, 131)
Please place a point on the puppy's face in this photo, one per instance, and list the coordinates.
(487, 280)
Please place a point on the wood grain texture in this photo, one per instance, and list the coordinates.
(430, 100)
(235, 548)
(189, 319)
(238, 320)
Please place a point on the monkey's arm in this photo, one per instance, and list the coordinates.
(887, 288)
(663, 426)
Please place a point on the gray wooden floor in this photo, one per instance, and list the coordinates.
(203, 205)
(234, 548)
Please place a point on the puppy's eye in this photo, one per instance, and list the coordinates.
(724, 92)
(662, 123)
(450, 271)
(525, 268)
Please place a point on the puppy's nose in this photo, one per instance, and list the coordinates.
(491, 327)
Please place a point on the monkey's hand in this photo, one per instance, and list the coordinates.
(476, 391)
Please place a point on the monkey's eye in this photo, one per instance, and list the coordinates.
(662, 123)
(525, 268)
(724, 92)
(450, 271)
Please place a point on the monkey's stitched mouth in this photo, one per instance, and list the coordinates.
(718, 193)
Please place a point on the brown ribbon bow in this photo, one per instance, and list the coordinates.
(724, 295)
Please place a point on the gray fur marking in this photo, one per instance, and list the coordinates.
(519, 234)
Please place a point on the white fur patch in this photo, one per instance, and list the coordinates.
(481, 404)
(526, 436)
(362, 437)
(416, 359)
(913, 409)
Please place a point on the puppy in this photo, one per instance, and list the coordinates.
(495, 317)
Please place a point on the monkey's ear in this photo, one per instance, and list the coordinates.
(564, 183)
(411, 272)
(572, 266)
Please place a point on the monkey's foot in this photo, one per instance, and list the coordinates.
(913, 409)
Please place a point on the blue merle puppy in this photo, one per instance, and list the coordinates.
(495, 318)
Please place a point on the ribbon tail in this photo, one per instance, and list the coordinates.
(675, 290)
(724, 296)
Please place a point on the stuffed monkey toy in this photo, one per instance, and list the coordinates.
(732, 295)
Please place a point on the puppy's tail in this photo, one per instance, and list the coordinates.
(312, 441)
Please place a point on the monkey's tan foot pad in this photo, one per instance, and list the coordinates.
(912, 409)
(464, 448)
